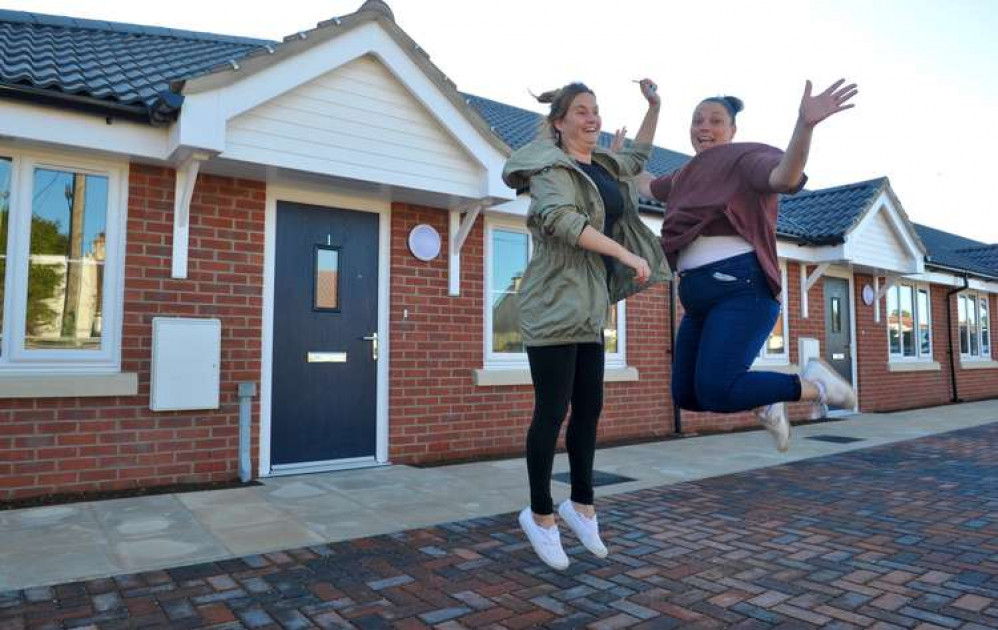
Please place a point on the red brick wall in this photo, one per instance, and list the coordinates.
(438, 413)
(61, 445)
(883, 390)
(976, 384)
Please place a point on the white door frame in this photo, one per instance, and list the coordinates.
(846, 274)
(322, 196)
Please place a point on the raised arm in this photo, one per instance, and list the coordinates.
(646, 133)
(813, 109)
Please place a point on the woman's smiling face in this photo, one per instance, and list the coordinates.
(582, 123)
(711, 126)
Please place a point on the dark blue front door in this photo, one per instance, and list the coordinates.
(324, 403)
(838, 326)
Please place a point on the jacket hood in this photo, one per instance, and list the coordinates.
(530, 159)
(542, 154)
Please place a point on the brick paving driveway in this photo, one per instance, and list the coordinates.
(900, 536)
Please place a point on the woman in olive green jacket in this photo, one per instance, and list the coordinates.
(590, 249)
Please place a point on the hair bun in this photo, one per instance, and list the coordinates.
(735, 103)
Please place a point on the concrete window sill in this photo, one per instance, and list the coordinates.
(68, 385)
(914, 366)
(521, 376)
(966, 364)
(782, 368)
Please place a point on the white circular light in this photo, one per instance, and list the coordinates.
(868, 295)
(424, 242)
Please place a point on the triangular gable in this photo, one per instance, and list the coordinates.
(884, 239)
(300, 64)
(359, 122)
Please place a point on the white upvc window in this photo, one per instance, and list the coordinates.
(508, 248)
(974, 317)
(62, 225)
(776, 350)
(909, 322)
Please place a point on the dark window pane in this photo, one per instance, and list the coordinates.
(907, 321)
(893, 321)
(924, 319)
(962, 318)
(5, 165)
(972, 322)
(985, 328)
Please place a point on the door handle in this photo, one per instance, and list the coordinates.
(373, 338)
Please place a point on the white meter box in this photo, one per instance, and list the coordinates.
(186, 355)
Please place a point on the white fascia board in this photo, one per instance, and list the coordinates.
(950, 280)
(66, 128)
(791, 250)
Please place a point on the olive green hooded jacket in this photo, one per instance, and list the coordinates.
(565, 294)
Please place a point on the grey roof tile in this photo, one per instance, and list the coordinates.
(125, 63)
(826, 215)
(958, 252)
(517, 127)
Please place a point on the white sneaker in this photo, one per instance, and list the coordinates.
(546, 541)
(587, 529)
(838, 391)
(819, 410)
(774, 419)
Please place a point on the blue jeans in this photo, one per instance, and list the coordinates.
(729, 313)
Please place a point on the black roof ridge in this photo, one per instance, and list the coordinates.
(59, 21)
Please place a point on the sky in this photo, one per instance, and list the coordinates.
(926, 113)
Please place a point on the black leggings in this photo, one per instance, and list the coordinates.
(564, 374)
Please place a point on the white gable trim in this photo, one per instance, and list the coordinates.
(203, 119)
(884, 206)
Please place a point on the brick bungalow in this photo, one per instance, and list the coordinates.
(322, 220)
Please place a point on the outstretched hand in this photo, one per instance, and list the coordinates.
(618, 140)
(814, 109)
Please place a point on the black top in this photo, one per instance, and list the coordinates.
(613, 201)
(609, 191)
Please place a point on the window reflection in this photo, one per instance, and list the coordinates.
(66, 262)
(510, 253)
(327, 279)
